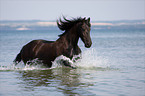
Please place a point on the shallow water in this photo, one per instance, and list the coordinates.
(113, 66)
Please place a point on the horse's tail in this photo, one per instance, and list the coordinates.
(18, 59)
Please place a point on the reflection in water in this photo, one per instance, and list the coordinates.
(65, 80)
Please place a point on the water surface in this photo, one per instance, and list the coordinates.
(113, 66)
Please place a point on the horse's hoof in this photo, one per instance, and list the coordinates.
(73, 67)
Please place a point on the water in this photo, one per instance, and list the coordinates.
(113, 66)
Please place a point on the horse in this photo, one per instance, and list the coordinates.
(66, 44)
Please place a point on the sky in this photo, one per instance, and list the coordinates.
(97, 10)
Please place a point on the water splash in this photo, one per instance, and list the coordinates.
(21, 66)
(89, 60)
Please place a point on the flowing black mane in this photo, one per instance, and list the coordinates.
(67, 24)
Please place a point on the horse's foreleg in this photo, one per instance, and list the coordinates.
(67, 63)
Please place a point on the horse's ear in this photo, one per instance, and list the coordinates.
(84, 19)
(88, 20)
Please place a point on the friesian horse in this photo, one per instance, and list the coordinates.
(66, 45)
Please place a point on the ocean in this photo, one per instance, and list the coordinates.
(113, 66)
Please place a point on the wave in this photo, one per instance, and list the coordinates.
(89, 60)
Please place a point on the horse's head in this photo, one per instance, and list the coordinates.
(82, 25)
(84, 32)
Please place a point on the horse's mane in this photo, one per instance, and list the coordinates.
(67, 24)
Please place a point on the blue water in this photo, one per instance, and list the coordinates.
(113, 66)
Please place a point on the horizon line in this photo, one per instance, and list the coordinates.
(56, 20)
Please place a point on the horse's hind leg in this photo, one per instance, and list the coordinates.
(18, 59)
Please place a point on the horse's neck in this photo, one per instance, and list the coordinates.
(71, 37)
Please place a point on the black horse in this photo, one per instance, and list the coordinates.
(67, 44)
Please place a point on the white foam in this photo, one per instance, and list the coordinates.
(21, 66)
(90, 59)
(57, 62)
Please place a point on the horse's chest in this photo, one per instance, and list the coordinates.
(69, 52)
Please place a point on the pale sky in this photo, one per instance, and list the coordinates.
(53, 9)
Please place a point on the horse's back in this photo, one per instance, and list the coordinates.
(36, 43)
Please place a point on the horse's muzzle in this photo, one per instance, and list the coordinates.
(88, 45)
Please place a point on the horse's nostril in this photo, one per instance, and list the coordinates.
(87, 45)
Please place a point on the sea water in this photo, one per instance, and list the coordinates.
(113, 66)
